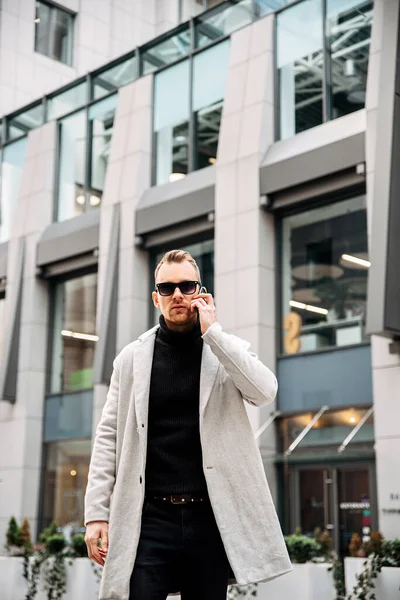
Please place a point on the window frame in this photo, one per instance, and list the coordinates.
(53, 7)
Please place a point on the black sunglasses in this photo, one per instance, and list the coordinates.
(186, 287)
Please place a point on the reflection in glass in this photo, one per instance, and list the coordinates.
(101, 117)
(25, 121)
(65, 478)
(166, 52)
(325, 272)
(265, 7)
(203, 253)
(348, 30)
(71, 198)
(112, 79)
(74, 334)
(67, 101)
(210, 71)
(222, 21)
(300, 67)
(11, 175)
(54, 32)
(171, 117)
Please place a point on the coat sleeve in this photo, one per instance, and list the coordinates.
(256, 383)
(101, 477)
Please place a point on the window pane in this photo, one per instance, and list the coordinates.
(348, 29)
(223, 21)
(71, 198)
(61, 36)
(25, 121)
(67, 101)
(203, 253)
(300, 67)
(65, 478)
(101, 117)
(12, 165)
(166, 52)
(42, 28)
(210, 71)
(74, 334)
(171, 117)
(325, 271)
(114, 78)
(265, 7)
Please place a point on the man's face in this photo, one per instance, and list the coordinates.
(176, 308)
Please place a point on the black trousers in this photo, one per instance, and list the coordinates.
(180, 549)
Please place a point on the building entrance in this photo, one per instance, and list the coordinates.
(340, 499)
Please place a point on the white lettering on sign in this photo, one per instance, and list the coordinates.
(352, 505)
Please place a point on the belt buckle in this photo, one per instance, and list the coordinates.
(180, 500)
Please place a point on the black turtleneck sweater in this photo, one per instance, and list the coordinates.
(174, 458)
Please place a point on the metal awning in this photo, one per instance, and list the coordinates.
(306, 429)
(355, 429)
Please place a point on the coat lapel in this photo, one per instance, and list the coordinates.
(142, 363)
(208, 373)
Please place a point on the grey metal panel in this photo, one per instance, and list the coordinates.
(3, 259)
(165, 205)
(9, 364)
(195, 229)
(106, 346)
(69, 238)
(313, 164)
(338, 378)
(68, 416)
(383, 299)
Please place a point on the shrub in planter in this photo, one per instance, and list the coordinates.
(303, 549)
(51, 530)
(78, 545)
(55, 544)
(25, 535)
(390, 553)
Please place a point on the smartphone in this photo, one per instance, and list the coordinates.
(202, 290)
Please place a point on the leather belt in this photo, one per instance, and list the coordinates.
(179, 498)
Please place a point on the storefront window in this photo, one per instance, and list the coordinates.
(74, 334)
(171, 122)
(203, 253)
(101, 119)
(65, 479)
(348, 31)
(208, 96)
(65, 102)
(71, 197)
(324, 279)
(11, 174)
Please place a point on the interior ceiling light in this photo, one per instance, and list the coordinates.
(80, 199)
(176, 176)
(94, 200)
(309, 307)
(356, 260)
(352, 419)
(80, 336)
(212, 160)
(37, 20)
(73, 472)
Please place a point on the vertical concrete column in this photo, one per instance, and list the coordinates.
(244, 234)
(128, 176)
(21, 422)
(385, 366)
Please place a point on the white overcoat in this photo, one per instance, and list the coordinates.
(233, 468)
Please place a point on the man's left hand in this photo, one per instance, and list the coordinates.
(207, 313)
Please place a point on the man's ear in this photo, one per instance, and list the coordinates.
(154, 296)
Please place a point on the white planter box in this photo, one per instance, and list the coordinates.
(81, 581)
(387, 584)
(306, 582)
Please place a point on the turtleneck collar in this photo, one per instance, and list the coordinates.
(178, 338)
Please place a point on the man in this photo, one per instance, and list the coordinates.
(177, 493)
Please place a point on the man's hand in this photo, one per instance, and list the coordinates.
(207, 313)
(94, 531)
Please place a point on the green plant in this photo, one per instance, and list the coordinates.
(25, 535)
(390, 553)
(78, 545)
(302, 548)
(51, 530)
(365, 586)
(337, 570)
(247, 591)
(55, 576)
(55, 544)
(31, 571)
(13, 533)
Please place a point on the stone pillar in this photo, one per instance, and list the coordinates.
(385, 366)
(21, 422)
(128, 176)
(244, 234)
